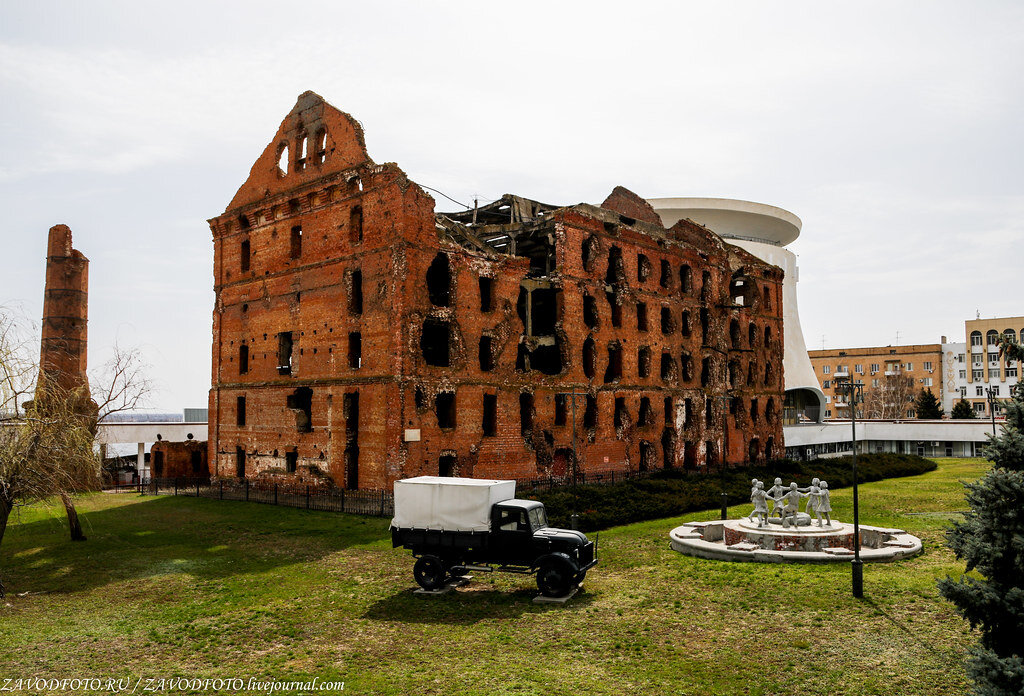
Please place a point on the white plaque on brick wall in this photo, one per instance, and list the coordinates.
(412, 435)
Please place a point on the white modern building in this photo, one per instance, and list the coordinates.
(764, 231)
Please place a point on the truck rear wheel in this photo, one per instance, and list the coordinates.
(555, 576)
(430, 572)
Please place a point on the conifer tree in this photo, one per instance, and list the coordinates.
(927, 406)
(991, 541)
(962, 410)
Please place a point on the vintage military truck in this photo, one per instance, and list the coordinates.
(453, 525)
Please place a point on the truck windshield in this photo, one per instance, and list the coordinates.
(538, 518)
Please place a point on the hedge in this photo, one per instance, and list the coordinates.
(673, 492)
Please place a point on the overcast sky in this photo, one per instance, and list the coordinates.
(892, 129)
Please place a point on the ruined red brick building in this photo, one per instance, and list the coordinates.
(359, 337)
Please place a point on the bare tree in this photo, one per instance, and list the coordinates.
(47, 431)
(891, 398)
(46, 444)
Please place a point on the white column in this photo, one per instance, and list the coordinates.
(140, 463)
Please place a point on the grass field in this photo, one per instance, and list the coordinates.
(169, 587)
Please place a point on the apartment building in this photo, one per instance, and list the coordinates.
(892, 377)
(973, 367)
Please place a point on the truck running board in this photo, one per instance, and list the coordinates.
(481, 569)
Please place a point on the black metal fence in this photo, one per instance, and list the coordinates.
(377, 503)
(380, 503)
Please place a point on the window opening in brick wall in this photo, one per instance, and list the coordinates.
(614, 370)
(767, 299)
(734, 372)
(355, 350)
(645, 416)
(643, 361)
(589, 252)
(486, 292)
(420, 399)
(244, 224)
(616, 272)
(685, 279)
(687, 414)
(282, 159)
(296, 245)
(291, 461)
(447, 464)
(526, 412)
(666, 274)
(705, 326)
(245, 256)
(686, 364)
(668, 447)
(444, 408)
(752, 335)
(321, 146)
(589, 311)
(590, 413)
(667, 325)
(439, 281)
(355, 293)
(350, 412)
(643, 268)
(705, 372)
(684, 323)
(239, 462)
(734, 334)
(668, 368)
(753, 411)
(709, 412)
(300, 402)
(561, 409)
(647, 456)
(435, 342)
(754, 450)
(243, 359)
(284, 353)
(705, 286)
(240, 411)
(490, 415)
(670, 410)
(621, 416)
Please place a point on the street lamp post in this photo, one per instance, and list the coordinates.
(990, 394)
(853, 392)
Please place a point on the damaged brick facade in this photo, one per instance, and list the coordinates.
(359, 337)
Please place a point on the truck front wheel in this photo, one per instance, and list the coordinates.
(555, 575)
(430, 572)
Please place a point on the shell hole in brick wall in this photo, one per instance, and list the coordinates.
(643, 268)
(435, 342)
(300, 402)
(444, 409)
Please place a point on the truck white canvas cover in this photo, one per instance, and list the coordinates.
(447, 503)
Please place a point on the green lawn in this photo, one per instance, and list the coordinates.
(170, 587)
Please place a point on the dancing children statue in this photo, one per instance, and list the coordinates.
(775, 493)
(824, 506)
(759, 499)
(792, 498)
